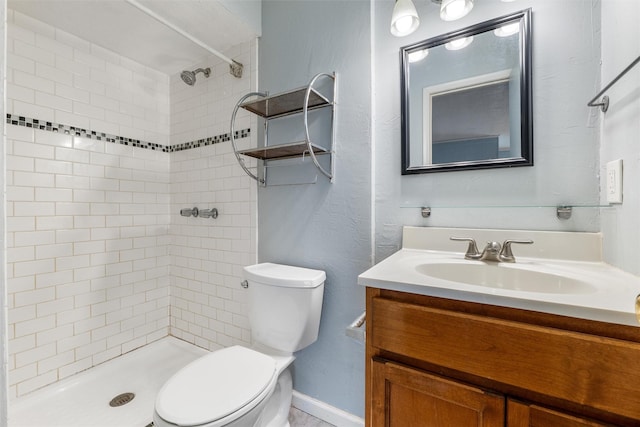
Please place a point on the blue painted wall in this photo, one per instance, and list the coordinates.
(325, 226)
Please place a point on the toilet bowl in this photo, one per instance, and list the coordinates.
(250, 387)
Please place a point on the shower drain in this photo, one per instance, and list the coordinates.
(121, 399)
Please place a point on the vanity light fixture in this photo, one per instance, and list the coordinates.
(404, 19)
(507, 30)
(450, 10)
(458, 44)
(418, 55)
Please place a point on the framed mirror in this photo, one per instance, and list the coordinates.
(466, 98)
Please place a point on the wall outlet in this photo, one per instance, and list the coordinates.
(614, 181)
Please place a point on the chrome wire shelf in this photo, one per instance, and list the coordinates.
(285, 103)
(297, 101)
(283, 151)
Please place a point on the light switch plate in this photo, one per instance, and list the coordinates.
(614, 181)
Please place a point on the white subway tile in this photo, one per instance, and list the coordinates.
(72, 262)
(20, 284)
(36, 382)
(54, 279)
(32, 110)
(106, 355)
(28, 80)
(33, 326)
(88, 273)
(53, 166)
(74, 368)
(18, 254)
(20, 93)
(71, 155)
(88, 110)
(52, 251)
(55, 362)
(20, 194)
(73, 67)
(64, 208)
(71, 119)
(89, 144)
(49, 71)
(54, 194)
(72, 316)
(53, 101)
(107, 55)
(85, 57)
(72, 235)
(72, 181)
(48, 43)
(31, 238)
(53, 335)
(91, 349)
(73, 342)
(20, 314)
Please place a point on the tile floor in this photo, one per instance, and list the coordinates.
(297, 418)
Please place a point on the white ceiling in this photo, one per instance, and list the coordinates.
(122, 28)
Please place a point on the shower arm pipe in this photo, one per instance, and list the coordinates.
(233, 140)
(235, 68)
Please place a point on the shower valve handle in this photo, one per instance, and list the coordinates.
(189, 212)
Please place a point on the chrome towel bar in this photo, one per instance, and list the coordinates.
(604, 102)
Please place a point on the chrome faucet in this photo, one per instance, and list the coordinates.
(493, 252)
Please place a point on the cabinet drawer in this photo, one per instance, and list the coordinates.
(602, 373)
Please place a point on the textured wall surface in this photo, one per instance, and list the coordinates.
(324, 226)
(621, 131)
(565, 131)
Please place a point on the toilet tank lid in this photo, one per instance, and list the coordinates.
(284, 275)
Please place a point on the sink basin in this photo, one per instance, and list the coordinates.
(562, 273)
(505, 276)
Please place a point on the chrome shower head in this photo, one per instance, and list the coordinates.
(189, 77)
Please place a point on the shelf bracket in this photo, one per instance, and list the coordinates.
(233, 140)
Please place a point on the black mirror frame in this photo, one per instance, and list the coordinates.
(526, 97)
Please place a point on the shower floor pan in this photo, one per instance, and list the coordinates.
(82, 400)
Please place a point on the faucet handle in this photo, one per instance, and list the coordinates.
(506, 255)
(472, 249)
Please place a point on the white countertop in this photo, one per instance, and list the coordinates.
(609, 294)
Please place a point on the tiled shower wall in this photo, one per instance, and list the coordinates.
(208, 305)
(88, 219)
(95, 242)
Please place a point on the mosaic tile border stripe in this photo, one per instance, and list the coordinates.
(13, 119)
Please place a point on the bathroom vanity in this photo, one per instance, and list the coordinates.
(444, 354)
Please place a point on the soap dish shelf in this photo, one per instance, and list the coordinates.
(297, 101)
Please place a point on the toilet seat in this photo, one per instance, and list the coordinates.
(226, 384)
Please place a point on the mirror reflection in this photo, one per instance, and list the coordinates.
(466, 98)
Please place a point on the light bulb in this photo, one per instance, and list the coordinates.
(404, 19)
(507, 30)
(450, 10)
(403, 25)
(458, 44)
(418, 55)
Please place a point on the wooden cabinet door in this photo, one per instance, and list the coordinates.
(406, 397)
(528, 415)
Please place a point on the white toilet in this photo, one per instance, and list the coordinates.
(250, 387)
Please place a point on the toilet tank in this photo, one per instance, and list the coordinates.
(284, 305)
